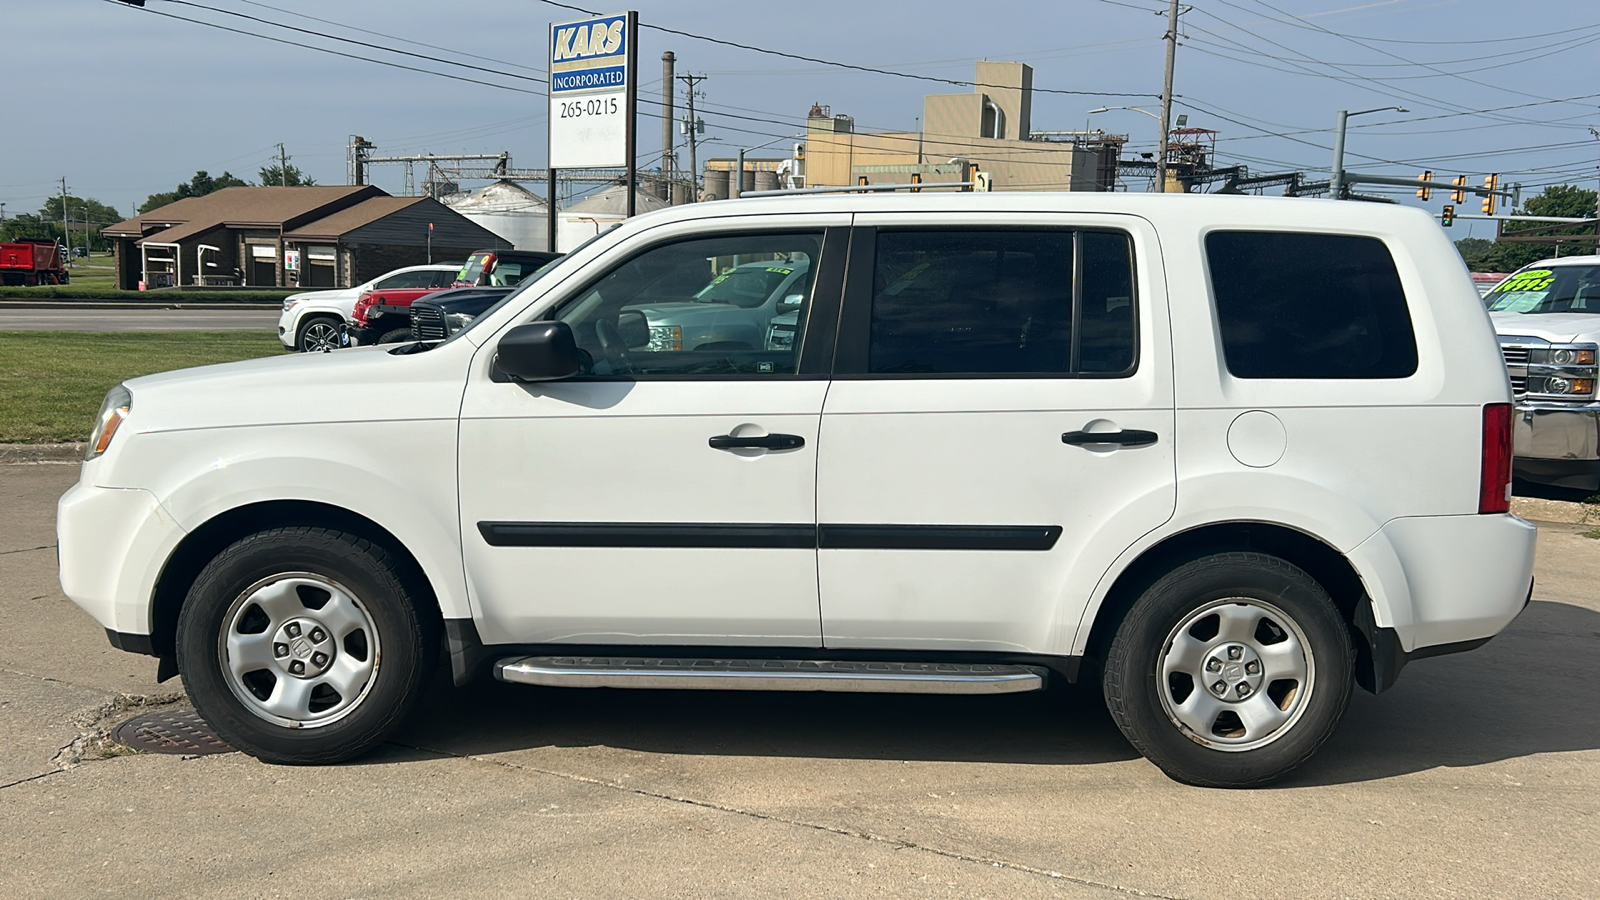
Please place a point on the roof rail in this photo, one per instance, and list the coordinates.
(859, 189)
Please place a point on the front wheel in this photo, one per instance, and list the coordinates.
(319, 334)
(304, 645)
(397, 336)
(1230, 670)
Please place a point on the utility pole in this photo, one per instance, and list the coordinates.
(692, 128)
(668, 90)
(283, 167)
(1166, 96)
(65, 233)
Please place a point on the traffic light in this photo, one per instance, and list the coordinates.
(1492, 182)
(916, 178)
(1425, 192)
(1448, 217)
(1459, 195)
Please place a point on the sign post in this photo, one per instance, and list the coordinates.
(593, 99)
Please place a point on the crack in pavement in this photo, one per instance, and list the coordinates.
(797, 823)
(27, 550)
(30, 778)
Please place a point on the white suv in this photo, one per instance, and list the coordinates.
(315, 320)
(1222, 456)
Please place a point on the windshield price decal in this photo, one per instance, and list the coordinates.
(1531, 280)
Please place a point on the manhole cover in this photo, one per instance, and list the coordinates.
(176, 729)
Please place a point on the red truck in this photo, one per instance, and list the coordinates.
(33, 262)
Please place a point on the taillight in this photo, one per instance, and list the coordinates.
(360, 312)
(1494, 480)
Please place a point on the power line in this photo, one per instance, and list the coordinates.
(328, 50)
(844, 65)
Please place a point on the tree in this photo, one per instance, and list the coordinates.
(46, 223)
(1560, 200)
(288, 175)
(198, 186)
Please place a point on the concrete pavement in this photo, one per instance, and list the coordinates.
(1478, 775)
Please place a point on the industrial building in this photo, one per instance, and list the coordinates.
(289, 237)
(988, 131)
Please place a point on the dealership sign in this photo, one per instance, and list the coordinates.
(590, 78)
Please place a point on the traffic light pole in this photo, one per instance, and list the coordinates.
(1357, 178)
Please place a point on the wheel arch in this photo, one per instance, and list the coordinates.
(1325, 564)
(202, 544)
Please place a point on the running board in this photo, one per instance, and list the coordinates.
(769, 675)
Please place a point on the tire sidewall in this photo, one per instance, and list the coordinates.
(1132, 679)
(402, 669)
(305, 326)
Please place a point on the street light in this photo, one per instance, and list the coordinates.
(1161, 164)
(736, 183)
(1336, 180)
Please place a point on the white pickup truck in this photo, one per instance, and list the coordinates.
(1547, 316)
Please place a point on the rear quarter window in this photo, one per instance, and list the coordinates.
(1295, 305)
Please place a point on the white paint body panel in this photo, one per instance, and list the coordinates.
(989, 452)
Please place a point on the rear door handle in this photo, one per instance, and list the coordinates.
(1131, 437)
(763, 442)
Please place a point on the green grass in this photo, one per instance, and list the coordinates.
(52, 382)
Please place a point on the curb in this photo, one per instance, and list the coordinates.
(17, 454)
(1536, 509)
(131, 304)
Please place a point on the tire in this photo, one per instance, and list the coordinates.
(304, 645)
(1230, 670)
(397, 336)
(318, 333)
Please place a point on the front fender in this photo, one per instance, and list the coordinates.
(400, 475)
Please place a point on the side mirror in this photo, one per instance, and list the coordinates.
(538, 351)
(634, 329)
(791, 303)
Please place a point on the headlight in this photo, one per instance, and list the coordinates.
(454, 322)
(665, 338)
(115, 408)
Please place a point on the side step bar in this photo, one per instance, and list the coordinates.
(770, 675)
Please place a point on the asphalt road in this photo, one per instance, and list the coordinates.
(114, 320)
(1477, 776)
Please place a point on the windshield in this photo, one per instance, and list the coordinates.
(523, 285)
(469, 273)
(744, 287)
(1557, 289)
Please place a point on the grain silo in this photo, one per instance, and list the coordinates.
(507, 209)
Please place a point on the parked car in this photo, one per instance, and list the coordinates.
(1225, 457)
(733, 310)
(438, 316)
(502, 268)
(315, 320)
(1547, 316)
(383, 316)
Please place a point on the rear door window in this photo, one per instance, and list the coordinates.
(1296, 305)
(1001, 302)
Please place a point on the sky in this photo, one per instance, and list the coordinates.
(131, 102)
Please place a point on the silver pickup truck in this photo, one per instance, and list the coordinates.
(1547, 316)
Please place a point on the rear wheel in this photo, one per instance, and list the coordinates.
(1230, 671)
(318, 333)
(304, 645)
(398, 335)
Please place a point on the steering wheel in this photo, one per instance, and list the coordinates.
(611, 344)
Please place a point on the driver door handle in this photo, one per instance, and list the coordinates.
(1131, 437)
(763, 442)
